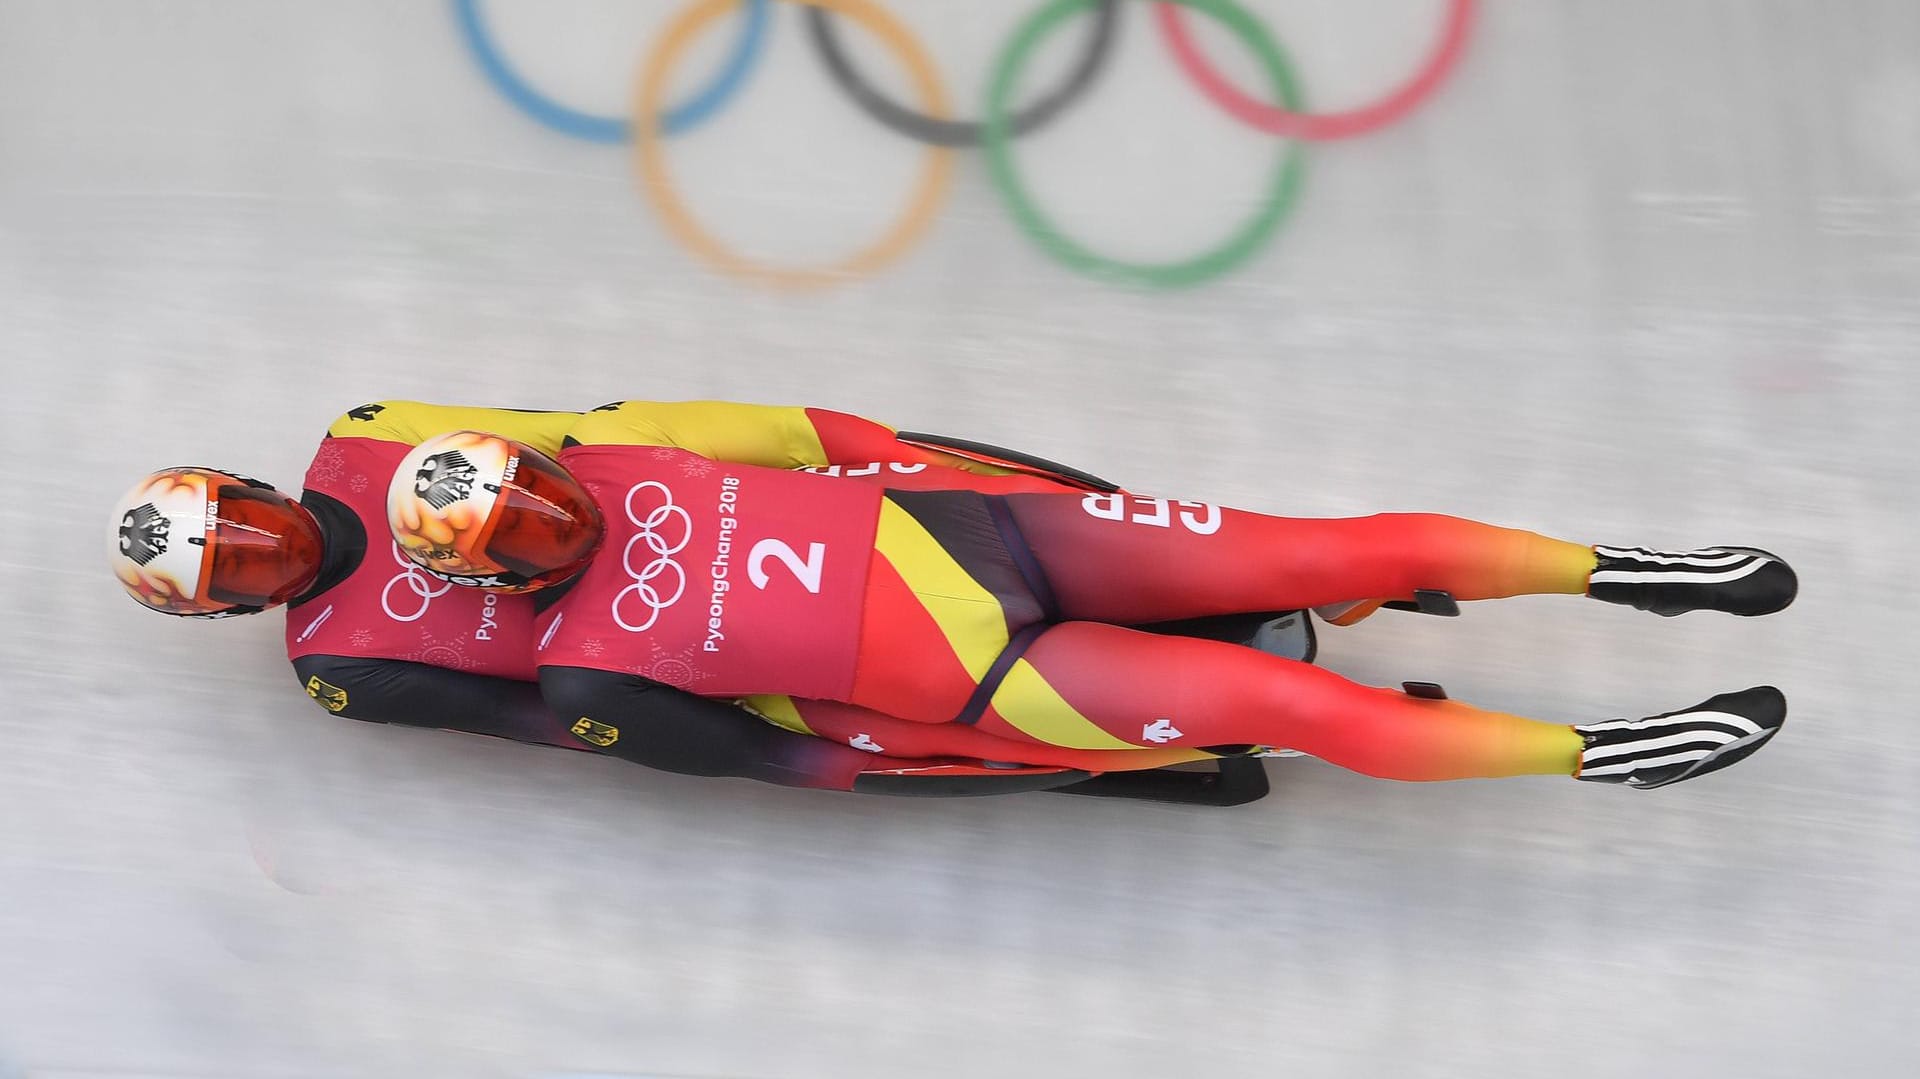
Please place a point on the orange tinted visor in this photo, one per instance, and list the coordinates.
(545, 526)
(266, 548)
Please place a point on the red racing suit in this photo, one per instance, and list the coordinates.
(376, 639)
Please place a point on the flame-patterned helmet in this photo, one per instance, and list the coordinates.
(204, 543)
(485, 511)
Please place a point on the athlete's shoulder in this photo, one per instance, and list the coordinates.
(622, 423)
(413, 422)
(335, 681)
(370, 420)
(778, 436)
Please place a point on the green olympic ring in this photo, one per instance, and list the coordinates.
(1237, 248)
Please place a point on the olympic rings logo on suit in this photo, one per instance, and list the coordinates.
(644, 587)
(931, 124)
(422, 586)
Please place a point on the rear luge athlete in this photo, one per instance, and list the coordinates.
(370, 635)
(373, 637)
(994, 625)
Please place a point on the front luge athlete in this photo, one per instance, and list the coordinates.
(696, 568)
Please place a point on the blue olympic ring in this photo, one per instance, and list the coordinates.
(584, 125)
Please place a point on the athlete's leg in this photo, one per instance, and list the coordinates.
(1103, 698)
(1094, 686)
(1123, 558)
(876, 732)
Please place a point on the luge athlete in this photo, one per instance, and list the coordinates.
(694, 568)
(373, 637)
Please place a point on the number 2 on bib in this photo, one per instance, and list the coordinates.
(807, 571)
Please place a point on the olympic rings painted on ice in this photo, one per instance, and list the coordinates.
(583, 125)
(1281, 196)
(1287, 120)
(924, 128)
(658, 184)
(929, 121)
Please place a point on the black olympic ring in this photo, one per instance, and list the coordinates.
(963, 133)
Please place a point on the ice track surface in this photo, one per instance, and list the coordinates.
(1640, 273)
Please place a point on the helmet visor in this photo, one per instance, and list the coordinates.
(547, 526)
(266, 550)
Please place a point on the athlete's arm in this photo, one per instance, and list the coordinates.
(649, 723)
(775, 436)
(418, 695)
(772, 436)
(413, 422)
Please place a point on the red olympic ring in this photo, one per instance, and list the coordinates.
(1318, 127)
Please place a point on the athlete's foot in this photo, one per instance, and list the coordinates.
(1738, 580)
(1659, 750)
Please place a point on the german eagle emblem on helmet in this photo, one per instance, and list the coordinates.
(445, 478)
(143, 533)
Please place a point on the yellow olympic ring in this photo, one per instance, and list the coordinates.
(650, 155)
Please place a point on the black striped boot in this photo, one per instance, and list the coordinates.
(1738, 580)
(1659, 750)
